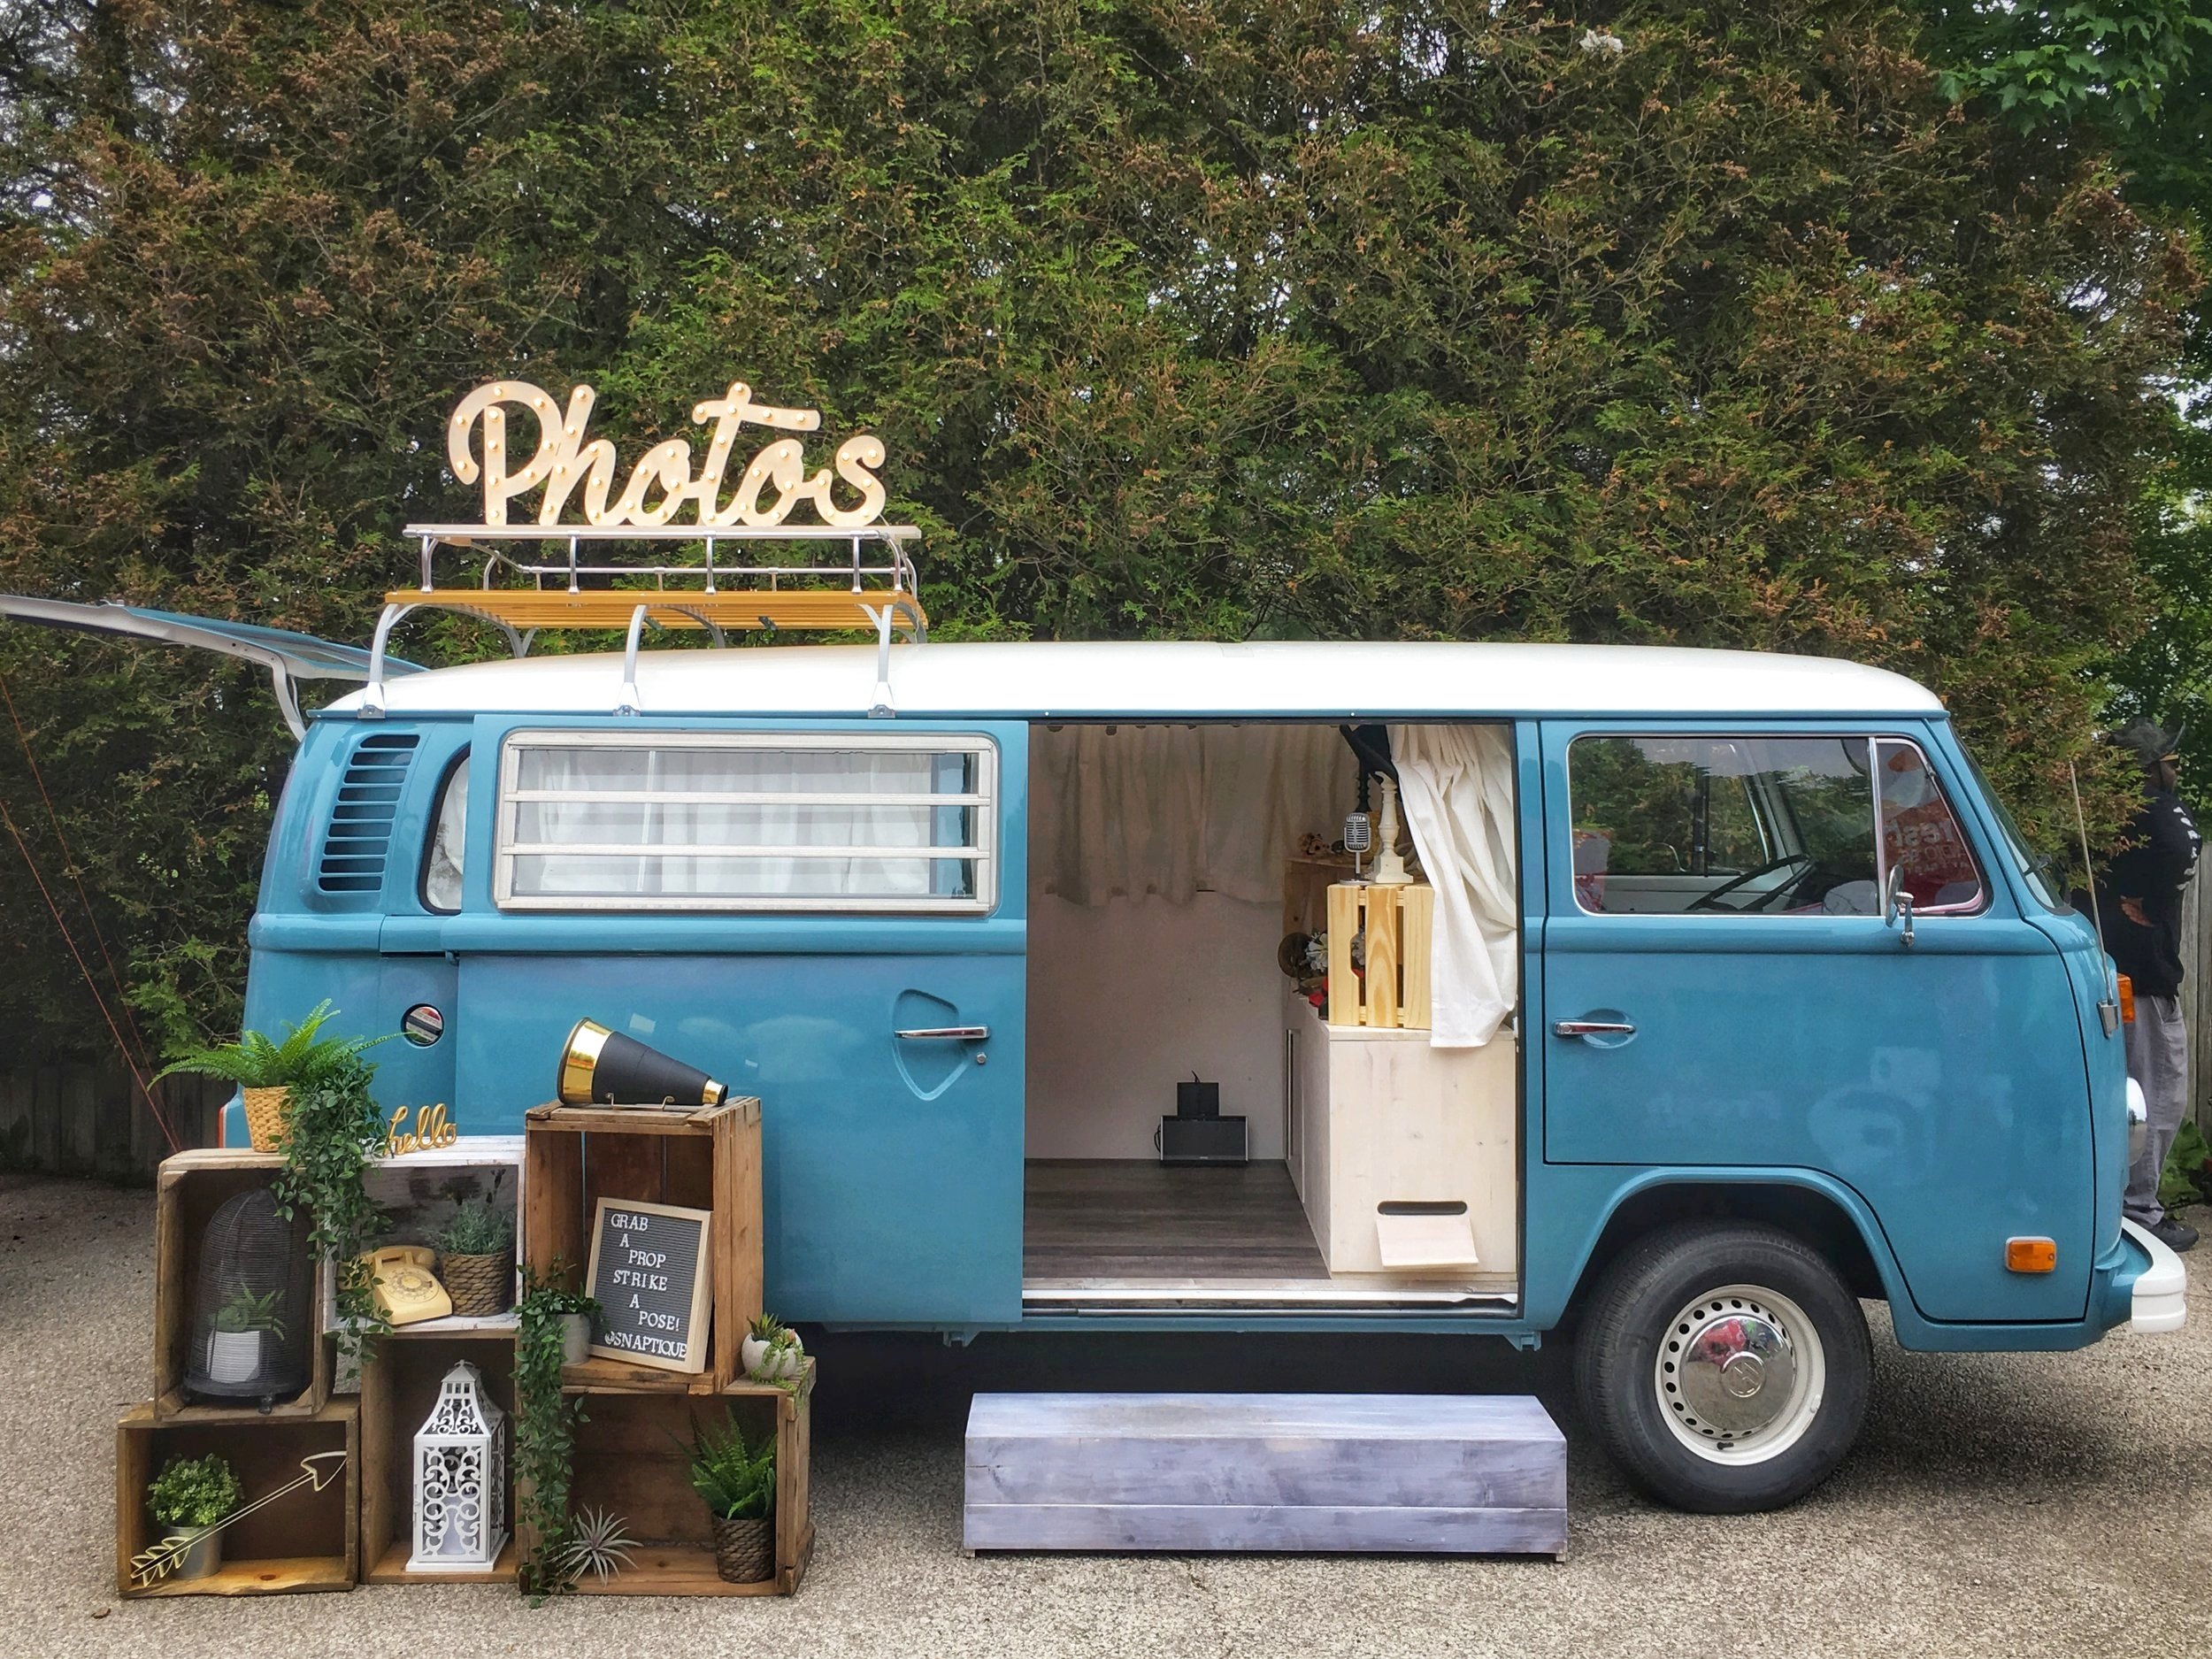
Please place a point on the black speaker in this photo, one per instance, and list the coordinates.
(604, 1068)
(1197, 1099)
(1201, 1140)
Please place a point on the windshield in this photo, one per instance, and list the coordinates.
(2034, 870)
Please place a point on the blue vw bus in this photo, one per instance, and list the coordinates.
(1749, 1004)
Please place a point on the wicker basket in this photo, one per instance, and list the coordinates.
(480, 1286)
(266, 1112)
(744, 1551)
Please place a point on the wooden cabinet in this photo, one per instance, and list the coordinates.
(1389, 1134)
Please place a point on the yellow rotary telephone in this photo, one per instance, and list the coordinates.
(407, 1291)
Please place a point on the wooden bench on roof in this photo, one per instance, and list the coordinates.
(520, 595)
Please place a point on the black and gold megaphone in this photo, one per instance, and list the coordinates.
(604, 1068)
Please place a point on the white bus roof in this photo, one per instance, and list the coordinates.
(1174, 680)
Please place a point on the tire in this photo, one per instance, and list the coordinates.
(1725, 1365)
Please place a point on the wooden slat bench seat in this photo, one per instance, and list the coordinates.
(1447, 1474)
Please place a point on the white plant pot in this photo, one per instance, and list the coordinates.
(781, 1366)
(575, 1338)
(233, 1357)
(204, 1553)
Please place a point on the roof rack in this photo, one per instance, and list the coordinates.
(520, 596)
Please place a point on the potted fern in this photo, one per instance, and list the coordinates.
(188, 1497)
(266, 1072)
(739, 1485)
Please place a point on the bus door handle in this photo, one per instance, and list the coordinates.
(1593, 1028)
(947, 1033)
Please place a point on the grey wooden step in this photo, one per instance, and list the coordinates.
(1451, 1474)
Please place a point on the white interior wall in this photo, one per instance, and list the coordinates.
(1129, 997)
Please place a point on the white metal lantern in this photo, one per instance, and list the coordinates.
(460, 1479)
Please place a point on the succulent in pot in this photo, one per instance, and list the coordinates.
(771, 1351)
(190, 1497)
(243, 1322)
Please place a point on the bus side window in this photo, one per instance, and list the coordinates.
(1920, 832)
(442, 860)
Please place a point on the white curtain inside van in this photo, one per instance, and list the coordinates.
(1455, 783)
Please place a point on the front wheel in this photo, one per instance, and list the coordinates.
(1726, 1367)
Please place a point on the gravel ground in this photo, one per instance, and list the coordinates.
(1998, 1504)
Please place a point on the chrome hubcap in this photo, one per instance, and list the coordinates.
(1739, 1374)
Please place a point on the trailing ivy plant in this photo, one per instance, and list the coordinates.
(545, 1428)
(334, 1133)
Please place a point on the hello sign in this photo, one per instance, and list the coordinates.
(662, 484)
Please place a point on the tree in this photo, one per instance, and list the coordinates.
(1718, 325)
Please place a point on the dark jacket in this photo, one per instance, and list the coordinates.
(2154, 872)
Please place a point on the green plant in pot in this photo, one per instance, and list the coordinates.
(335, 1133)
(476, 1258)
(545, 1427)
(187, 1498)
(772, 1352)
(243, 1322)
(268, 1070)
(739, 1485)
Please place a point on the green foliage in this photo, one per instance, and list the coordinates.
(545, 1428)
(2114, 59)
(253, 1062)
(479, 1228)
(599, 1543)
(194, 1492)
(738, 1482)
(1417, 321)
(333, 1134)
(2187, 1176)
(243, 1310)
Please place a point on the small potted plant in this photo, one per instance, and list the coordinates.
(266, 1072)
(598, 1543)
(243, 1322)
(739, 1485)
(772, 1352)
(188, 1497)
(476, 1258)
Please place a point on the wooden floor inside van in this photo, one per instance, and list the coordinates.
(1130, 1218)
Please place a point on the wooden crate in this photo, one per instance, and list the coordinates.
(190, 1188)
(419, 1192)
(1395, 989)
(633, 1460)
(707, 1159)
(307, 1540)
(398, 1387)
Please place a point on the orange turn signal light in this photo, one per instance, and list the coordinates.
(2127, 999)
(2030, 1255)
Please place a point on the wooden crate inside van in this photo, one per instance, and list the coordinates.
(707, 1158)
(1394, 989)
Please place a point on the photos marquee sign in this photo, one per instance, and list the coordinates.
(564, 464)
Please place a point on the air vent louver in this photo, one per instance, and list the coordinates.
(359, 838)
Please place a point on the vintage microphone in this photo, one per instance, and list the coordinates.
(604, 1068)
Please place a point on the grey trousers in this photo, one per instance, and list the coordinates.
(2158, 1060)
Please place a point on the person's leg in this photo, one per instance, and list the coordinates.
(2158, 1060)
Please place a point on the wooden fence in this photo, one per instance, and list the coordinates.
(85, 1118)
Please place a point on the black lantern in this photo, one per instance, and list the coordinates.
(253, 1316)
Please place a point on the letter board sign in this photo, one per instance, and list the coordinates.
(650, 1269)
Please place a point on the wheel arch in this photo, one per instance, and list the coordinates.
(1828, 1218)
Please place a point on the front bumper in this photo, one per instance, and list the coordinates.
(2159, 1297)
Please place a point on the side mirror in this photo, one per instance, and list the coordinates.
(1897, 904)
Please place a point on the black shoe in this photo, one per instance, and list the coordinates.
(2173, 1235)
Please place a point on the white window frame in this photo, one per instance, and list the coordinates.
(983, 799)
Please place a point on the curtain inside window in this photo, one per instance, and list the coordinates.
(1177, 811)
(660, 815)
(1455, 783)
